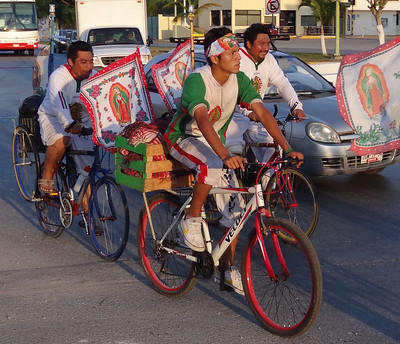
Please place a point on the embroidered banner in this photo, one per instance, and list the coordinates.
(367, 89)
(115, 97)
(170, 74)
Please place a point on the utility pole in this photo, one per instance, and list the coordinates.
(52, 11)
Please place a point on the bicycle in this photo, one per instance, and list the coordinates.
(282, 282)
(108, 208)
(290, 193)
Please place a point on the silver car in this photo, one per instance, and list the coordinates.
(324, 138)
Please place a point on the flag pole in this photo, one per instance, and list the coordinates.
(191, 16)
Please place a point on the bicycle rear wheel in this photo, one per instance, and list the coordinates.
(109, 218)
(291, 196)
(170, 274)
(25, 162)
(288, 304)
(48, 208)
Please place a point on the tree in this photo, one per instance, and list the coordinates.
(155, 7)
(323, 12)
(185, 13)
(65, 11)
(376, 8)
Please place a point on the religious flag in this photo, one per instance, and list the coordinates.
(170, 74)
(367, 90)
(115, 97)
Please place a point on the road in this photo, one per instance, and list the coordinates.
(60, 291)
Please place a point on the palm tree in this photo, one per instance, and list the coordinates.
(323, 12)
(185, 13)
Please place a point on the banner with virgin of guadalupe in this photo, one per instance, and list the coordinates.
(115, 97)
(170, 74)
(367, 90)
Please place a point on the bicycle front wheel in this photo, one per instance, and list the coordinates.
(25, 162)
(285, 297)
(109, 219)
(169, 273)
(48, 208)
(290, 195)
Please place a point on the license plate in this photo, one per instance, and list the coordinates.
(15, 45)
(366, 159)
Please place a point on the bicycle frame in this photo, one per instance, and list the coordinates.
(94, 172)
(256, 203)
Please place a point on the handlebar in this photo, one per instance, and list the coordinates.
(84, 132)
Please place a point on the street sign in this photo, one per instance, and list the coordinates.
(272, 7)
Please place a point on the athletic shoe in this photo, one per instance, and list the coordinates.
(192, 235)
(233, 280)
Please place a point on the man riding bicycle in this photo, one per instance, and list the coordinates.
(196, 134)
(62, 107)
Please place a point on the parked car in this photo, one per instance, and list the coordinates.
(324, 137)
(63, 38)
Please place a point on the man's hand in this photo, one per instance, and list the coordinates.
(234, 162)
(75, 129)
(253, 117)
(296, 155)
(300, 114)
(76, 111)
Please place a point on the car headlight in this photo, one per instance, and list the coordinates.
(96, 60)
(145, 59)
(322, 133)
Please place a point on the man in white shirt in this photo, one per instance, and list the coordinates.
(61, 107)
(264, 72)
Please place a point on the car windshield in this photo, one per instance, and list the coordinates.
(115, 36)
(302, 77)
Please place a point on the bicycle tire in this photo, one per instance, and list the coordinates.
(109, 211)
(279, 199)
(287, 306)
(213, 216)
(170, 274)
(25, 162)
(48, 208)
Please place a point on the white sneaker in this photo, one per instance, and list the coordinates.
(192, 235)
(233, 279)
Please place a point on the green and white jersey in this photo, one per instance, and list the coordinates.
(201, 89)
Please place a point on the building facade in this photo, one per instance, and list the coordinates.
(355, 19)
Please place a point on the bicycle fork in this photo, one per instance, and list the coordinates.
(262, 229)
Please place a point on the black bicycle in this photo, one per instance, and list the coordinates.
(108, 219)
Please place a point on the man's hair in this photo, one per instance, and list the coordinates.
(212, 35)
(73, 49)
(250, 34)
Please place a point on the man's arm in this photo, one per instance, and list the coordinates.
(284, 88)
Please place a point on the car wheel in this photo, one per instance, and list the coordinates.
(373, 171)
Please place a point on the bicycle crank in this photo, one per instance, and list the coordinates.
(205, 264)
(66, 214)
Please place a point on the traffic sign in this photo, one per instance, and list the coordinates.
(272, 7)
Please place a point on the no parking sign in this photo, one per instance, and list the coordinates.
(272, 7)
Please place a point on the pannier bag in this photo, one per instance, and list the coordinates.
(28, 116)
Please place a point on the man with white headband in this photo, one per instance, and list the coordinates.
(196, 133)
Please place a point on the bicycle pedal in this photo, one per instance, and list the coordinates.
(228, 288)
